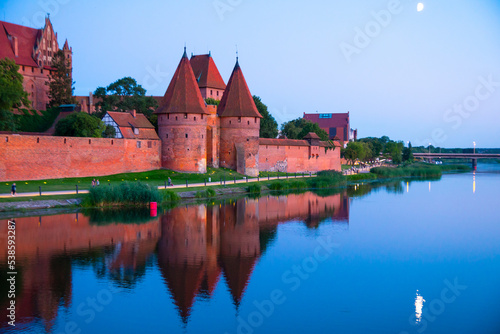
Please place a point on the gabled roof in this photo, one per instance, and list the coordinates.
(183, 95)
(237, 100)
(311, 135)
(333, 121)
(26, 39)
(206, 73)
(126, 119)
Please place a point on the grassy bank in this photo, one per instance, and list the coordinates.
(153, 178)
(417, 170)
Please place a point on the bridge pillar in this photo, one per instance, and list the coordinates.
(474, 164)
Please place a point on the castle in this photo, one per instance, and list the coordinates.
(32, 50)
(195, 135)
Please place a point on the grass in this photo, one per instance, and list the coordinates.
(254, 188)
(153, 178)
(263, 175)
(40, 198)
(362, 176)
(126, 193)
(207, 193)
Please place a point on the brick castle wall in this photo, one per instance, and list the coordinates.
(47, 157)
(298, 159)
(184, 142)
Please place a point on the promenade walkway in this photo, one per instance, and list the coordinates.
(175, 186)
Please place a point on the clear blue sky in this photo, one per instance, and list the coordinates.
(419, 76)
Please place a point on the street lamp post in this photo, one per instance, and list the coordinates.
(474, 146)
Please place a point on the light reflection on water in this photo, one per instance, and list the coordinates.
(211, 267)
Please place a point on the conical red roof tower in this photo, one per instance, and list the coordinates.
(182, 122)
(237, 100)
(183, 95)
(239, 126)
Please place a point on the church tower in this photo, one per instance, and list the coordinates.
(239, 126)
(68, 55)
(182, 123)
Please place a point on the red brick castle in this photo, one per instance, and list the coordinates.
(195, 135)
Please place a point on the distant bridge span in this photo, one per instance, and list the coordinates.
(472, 156)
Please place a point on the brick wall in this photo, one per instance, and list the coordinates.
(47, 157)
(298, 158)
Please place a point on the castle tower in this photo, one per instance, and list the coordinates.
(182, 122)
(208, 77)
(239, 126)
(68, 55)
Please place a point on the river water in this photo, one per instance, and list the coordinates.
(416, 256)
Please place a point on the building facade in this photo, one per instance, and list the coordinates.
(32, 50)
(337, 125)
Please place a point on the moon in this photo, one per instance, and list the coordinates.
(420, 7)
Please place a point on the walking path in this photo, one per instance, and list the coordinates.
(176, 186)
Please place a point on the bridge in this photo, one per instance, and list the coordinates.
(472, 156)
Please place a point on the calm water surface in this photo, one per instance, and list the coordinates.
(405, 257)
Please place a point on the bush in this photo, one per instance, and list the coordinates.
(80, 124)
(125, 193)
(170, 196)
(363, 176)
(327, 179)
(34, 122)
(254, 188)
(205, 193)
(423, 170)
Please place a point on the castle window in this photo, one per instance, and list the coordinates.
(195, 118)
(37, 140)
(201, 116)
(138, 144)
(33, 70)
(65, 140)
(229, 122)
(167, 135)
(248, 122)
(67, 56)
(6, 139)
(211, 92)
(201, 136)
(185, 116)
(186, 135)
(23, 68)
(168, 116)
(217, 93)
(41, 71)
(112, 142)
(150, 144)
(90, 141)
(248, 139)
(239, 119)
(255, 119)
(175, 117)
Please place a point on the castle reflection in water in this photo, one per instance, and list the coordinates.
(193, 247)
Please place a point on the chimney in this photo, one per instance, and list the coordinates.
(133, 112)
(16, 49)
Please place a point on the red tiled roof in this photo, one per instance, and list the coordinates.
(26, 38)
(311, 135)
(283, 142)
(291, 142)
(126, 119)
(206, 73)
(237, 100)
(183, 95)
(146, 134)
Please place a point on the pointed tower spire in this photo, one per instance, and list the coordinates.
(237, 100)
(183, 94)
(66, 46)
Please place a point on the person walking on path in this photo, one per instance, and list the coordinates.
(13, 189)
(97, 182)
(93, 183)
(170, 182)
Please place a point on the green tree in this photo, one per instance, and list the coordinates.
(109, 132)
(12, 94)
(408, 154)
(60, 83)
(80, 124)
(298, 128)
(212, 101)
(394, 150)
(123, 95)
(355, 151)
(268, 125)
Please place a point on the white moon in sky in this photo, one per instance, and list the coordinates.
(420, 7)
